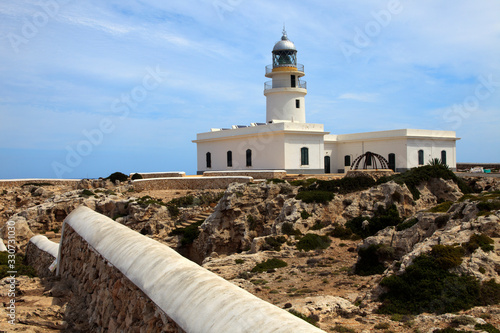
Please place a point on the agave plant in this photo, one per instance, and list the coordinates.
(437, 161)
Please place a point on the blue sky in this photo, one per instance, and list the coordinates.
(88, 88)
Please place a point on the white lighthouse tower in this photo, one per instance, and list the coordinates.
(285, 92)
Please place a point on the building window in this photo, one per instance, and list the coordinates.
(249, 157)
(209, 160)
(347, 160)
(420, 157)
(443, 157)
(292, 83)
(392, 161)
(229, 158)
(297, 103)
(304, 156)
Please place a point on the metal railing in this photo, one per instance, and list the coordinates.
(269, 68)
(284, 84)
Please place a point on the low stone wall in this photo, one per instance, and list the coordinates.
(256, 174)
(7, 183)
(131, 283)
(41, 254)
(468, 166)
(188, 183)
(148, 175)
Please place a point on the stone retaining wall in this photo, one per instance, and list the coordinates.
(41, 254)
(188, 183)
(131, 283)
(148, 175)
(7, 183)
(256, 174)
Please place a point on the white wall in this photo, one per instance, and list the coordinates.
(293, 145)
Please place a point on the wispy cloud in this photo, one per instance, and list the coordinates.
(362, 97)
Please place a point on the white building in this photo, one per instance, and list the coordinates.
(287, 142)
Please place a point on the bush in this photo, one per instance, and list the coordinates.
(313, 242)
(287, 229)
(311, 320)
(447, 256)
(87, 193)
(341, 232)
(479, 241)
(487, 327)
(383, 218)
(189, 233)
(442, 207)
(412, 178)
(344, 185)
(274, 243)
(269, 264)
(315, 196)
(136, 176)
(487, 206)
(407, 224)
(19, 266)
(117, 176)
(305, 215)
(427, 286)
(371, 259)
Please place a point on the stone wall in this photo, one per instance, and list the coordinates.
(256, 174)
(128, 282)
(41, 254)
(7, 183)
(188, 183)
(148, 175)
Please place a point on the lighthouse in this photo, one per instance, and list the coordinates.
(286, 91)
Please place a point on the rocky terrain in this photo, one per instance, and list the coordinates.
(307, 256)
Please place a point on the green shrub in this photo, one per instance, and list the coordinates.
(87, 193)
(173, 210)
(315, 196)
(344, 185)
(275, 180)
(184, 201)
(479, 241)
(189, 233)
(274, 243)
(371, 259)
(269, 264)
(449, 330)
(311, 320)
(487, 206)
(412, 178)
(305, 215)
(303, 182)
(487, 327)
(313, 242)
(442, 207)
(383, 218)
(447, 256)
(287, 229)
(136, 176)
(441, 220)
(239, 261)
(343, 329)
(426, 286)
(407, 224)
(19, 266)
(252, 222)
(117, 176)
(318, 225)
(341, 232)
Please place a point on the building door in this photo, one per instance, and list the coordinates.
(327, 164)
(392, 161)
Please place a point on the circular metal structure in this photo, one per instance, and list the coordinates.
(370, 161)
(284, 43)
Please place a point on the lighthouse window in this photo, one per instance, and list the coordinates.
(297, 103)
(249, 157)
(304, 156)
(420, 157)
(209, 160)
(293, 84)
